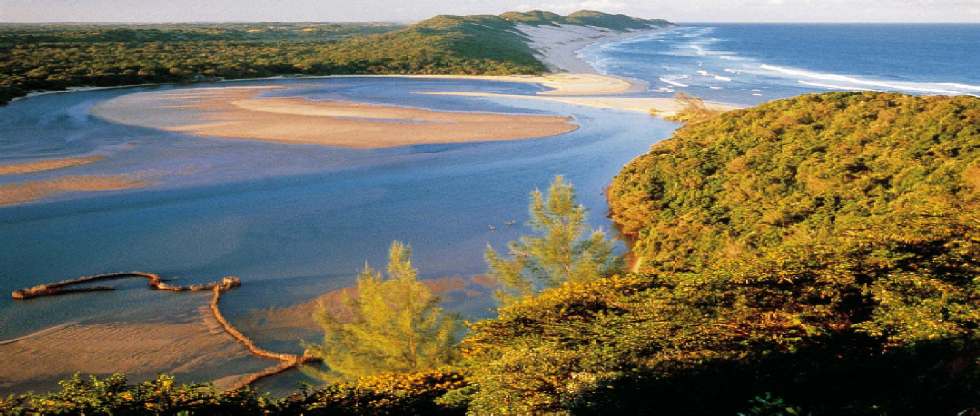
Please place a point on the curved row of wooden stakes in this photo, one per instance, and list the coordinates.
(287, 361)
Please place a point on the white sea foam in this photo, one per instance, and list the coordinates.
(673, 81)
(857, 83)
(721, 78)
(830, 86)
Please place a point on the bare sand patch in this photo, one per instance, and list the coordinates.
(140, 350)
(46, 165)
(19, 193)
(233, 112)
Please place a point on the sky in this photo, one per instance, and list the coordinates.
(412, 10)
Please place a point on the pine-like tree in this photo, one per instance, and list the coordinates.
(389, 325)
(558, 253)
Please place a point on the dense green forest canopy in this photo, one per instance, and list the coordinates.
(54, 57)
(22, 33)
(619, 22)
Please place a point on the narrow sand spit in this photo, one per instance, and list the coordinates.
(22, 192)
(46, 164)
(560, 84)
(233, 112)
(661, 106)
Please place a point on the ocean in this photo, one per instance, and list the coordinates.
(754, 63)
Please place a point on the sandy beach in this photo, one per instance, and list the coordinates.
(576, 82)
(579, 83)
(558, 46)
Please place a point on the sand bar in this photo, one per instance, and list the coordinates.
(240, 113)
(46, 165)
(660, 105)
(560, 84)
(22, 192)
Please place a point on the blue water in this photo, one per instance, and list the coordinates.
(753, 63)
(292, 221)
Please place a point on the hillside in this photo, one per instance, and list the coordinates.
(55, 57)
(618, 22)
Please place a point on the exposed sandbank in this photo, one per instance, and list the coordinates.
(22, 192)
(139, 350)
(46, 164)
(238, 112)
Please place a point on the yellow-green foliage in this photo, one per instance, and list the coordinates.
(559, 253)
(693, 111)
(824, 248)
(823, 202)
(388, 394)
(390, 325)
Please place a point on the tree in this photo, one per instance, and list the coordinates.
(559, 253)
(389, 325)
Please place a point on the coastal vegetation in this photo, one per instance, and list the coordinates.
(558, 254)
(385, 326)
(816, 255)
(38, 58)
(620, 22)
(693, 110)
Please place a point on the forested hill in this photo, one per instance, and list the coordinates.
(839, 224)
(620, 22)
(54, 57)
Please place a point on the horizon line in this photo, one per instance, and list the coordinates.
(191, 22)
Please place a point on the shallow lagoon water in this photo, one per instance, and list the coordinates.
(292, 221)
